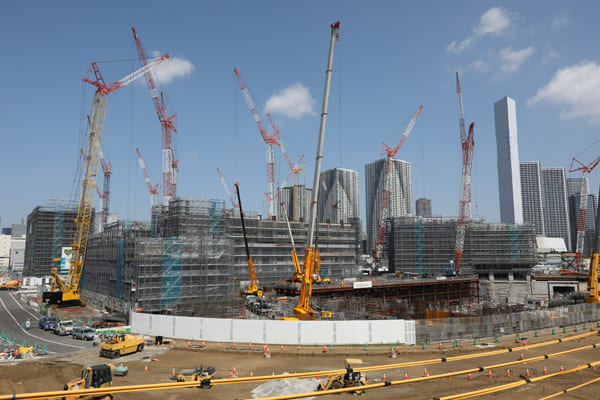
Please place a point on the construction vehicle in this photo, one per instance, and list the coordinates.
(350, 378)
(120, 345)
(11, 285)
(67, 293)
(203, 375)
(311, 255)
(118, 370)
(593, 272)
(253, 289)
(94, 377)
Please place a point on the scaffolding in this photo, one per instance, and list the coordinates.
(425, 246)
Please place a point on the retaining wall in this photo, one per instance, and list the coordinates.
(274, 331)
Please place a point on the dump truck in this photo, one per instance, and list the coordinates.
(343, 380)
(11, 285)
(120, 345)
(94, 377)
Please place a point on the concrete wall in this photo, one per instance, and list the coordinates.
(274, 331)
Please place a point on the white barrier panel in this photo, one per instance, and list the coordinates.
(275, 331)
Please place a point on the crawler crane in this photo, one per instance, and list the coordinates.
(593, 273)
(67, 293)
(253, 289)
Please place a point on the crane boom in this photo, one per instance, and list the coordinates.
(583, 195)
(270, 142)
(169, 164)
(464, 212)
(69, 292)
(153, 190)
(593, 296)
(388, 173)
(303, 309)
(233, 203)
(253, 289)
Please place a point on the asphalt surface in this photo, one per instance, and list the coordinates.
(14, 313)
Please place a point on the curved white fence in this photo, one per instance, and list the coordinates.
(274, 331)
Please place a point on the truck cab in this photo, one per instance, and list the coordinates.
(63, 328)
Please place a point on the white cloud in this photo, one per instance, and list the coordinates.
(294, 101)
(493, 21)
(480, 65)
(171, 68)
(577, 88)
(513, 59)
(550, 56)
(559, 22)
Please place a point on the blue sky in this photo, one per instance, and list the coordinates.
(392, 57)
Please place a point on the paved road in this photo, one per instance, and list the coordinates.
(13, 313)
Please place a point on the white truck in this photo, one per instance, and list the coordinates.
(63, 328)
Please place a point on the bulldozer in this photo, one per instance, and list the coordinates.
(347, 379)
(120, 345)
(203, 375)
(94, 377)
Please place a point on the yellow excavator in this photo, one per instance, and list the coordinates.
(253, 290)
(94, 377)
(593, 273)
(348, 379)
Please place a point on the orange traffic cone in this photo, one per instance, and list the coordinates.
(146, 368)
(203, 345)
(561, 368)
(522, 358)
(218, 345)
(440, 345)
(324, 349)
(234, 346)
(383, 379)
(545, 371)
(527, 372)
(426, 373)
(281, 347)
(524, 342)
(470, 377)
(189, 344)
(229, 376)
(298, 348)
(405, 375)
(251, 374)
(234, 371)
(507, 371)
(173, 372)
(489, 373)
(449, 377)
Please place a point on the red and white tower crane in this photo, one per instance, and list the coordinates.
(464, 213)
(387, 184)
(107, 170)
(153, 190)
(169, 164)
(233, 203)
(270, 141)
(583, 197)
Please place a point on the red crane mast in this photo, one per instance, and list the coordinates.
(464, 213)
(583, 193)
(169, 164)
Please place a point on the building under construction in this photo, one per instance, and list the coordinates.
(425, 246)
(191, 257)
(50, 228)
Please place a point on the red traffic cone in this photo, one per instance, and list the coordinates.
(449, 377)
(440, 345)
(281, 347)
(507, 371)
(234, 346)
(203, 345)
(146, 368)
(324, 349)
(218, 345)
(561, 368)
(173, 373)
(426, 373)
(234, 371)
(545, 371)
(405, 375)
(189, 344)
(298, 348)
(524, 342)
(522, 358)
(527, 372)
(489, 373)
(251, 374)
(384, 378)
(229, 376)
(470, 377)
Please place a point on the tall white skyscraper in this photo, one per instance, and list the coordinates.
(509, 178)
(296, 211)
(554, 197)
(400, 194)
(531, 191)
(342, 185)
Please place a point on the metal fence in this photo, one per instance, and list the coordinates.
(434, 330)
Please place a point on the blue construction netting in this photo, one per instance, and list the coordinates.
(171, 273)
(420, 246)
(513, 239)
(215, 213)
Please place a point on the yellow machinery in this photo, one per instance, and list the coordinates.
(593, 273)
(67, 293)
(347, 379)
(121, 345)
(96, 376)
(253, 289)
(203, 375)
(311, 254)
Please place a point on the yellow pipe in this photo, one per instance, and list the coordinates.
(570, 389)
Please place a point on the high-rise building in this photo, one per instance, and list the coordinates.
(531, 192)
(342, 185)
(509, 179)
(590, 226)
(400, 202)
(555, 206)
(296, 211)
(574, 186)
(423, 207)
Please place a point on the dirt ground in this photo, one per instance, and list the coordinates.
(51, 373)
